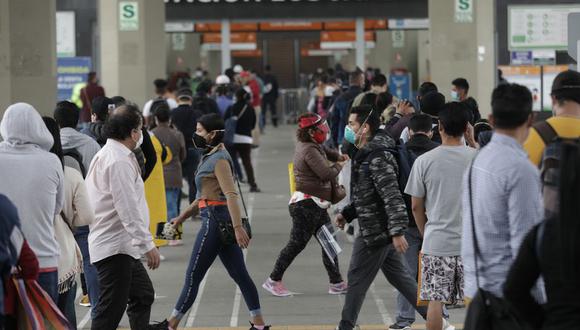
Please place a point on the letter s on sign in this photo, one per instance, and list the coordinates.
(464, 4)
(128, 11)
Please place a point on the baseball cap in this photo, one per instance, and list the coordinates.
(185, 93)
(238, 68)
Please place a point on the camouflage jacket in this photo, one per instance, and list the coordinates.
(376, 200)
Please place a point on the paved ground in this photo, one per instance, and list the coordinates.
(220, 305)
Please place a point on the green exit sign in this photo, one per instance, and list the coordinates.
(128, 16)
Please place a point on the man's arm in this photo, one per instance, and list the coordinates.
(125, 199)
(418, 208)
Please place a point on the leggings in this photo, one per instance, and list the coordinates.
(244, 150)
(206, 248)
(307, 218)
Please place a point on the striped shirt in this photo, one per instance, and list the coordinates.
(507, 203)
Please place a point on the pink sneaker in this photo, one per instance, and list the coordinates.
(338, 288)
(276, 288)
(175, 242)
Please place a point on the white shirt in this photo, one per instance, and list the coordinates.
(117, 195)
(147, 107)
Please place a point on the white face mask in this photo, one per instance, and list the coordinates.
(454, 95)
(140, 141)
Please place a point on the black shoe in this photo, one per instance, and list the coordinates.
(159, 326)
(255, 189)
(399, 327)
(267, 327)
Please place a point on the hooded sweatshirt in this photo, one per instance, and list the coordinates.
(84, 145)
(32, 178)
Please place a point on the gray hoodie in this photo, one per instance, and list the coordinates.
(32, 178)
(83, 144)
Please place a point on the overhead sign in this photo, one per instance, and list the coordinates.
(464, 11)
(65, 34)
(400, 84)
(128, 16)
(539, 26)
(522, 57)
(70, 72)
(178, 41)
(574, 35)
(408, 24)
(544, 57)
(179, 27)
(398, 37)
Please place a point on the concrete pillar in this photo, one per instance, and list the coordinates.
(131, 58)
(187, 58)
(360, 43)
(226, 51)
(28, 54)
(386, 57)
(463, 49)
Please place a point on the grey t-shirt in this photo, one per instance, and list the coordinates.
(437, 176)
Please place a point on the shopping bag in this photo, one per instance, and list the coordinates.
(36, 310)
(326, 239)
(291, 178)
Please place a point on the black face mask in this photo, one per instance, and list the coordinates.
(199, 142)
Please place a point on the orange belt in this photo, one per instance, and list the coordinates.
(205, 203)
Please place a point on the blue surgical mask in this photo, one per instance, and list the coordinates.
(349, 135)
(454, 96)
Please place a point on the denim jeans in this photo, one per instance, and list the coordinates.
(48, 281)
(66, 304)
(206, 248)
(172, 195)
(91, 278)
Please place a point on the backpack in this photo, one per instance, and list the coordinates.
(550, 165)
(73, 158)
(405, 160)
(230, 127)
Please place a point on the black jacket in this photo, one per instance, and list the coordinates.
(420, 144)
(97, 132)
(247, 122)
(206, 105)
(184, 118)
(376, 200)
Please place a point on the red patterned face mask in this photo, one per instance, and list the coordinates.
(321, 133)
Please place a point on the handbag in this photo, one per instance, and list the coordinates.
(230, 127)
(338, 192)
(226, 228)
(486, 311)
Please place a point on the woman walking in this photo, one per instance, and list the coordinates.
(217, 201)
(309, 204)
(243, 140)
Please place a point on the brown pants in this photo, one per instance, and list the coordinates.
(244, 151)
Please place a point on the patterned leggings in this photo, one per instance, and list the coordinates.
(307, 218)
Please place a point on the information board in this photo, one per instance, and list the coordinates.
(539, 26)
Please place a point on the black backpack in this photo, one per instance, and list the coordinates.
(72, 155)
(550, 165)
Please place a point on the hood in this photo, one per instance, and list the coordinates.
(22, 125)
(381, 140)
(71, 138)
(98, 131)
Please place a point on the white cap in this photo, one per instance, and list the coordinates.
(238, 68)
(222, 80)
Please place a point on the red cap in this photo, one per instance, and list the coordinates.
(309, 121)
(245, 74)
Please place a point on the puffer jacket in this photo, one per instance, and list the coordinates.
(312, 171)
(376, 200)
(97, 132)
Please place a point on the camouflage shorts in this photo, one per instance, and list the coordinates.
(441, 279)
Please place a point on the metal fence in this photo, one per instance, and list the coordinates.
(293, 102)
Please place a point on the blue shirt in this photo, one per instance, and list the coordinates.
(507, 203)
(224, 103)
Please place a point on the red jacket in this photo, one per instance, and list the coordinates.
(87, 95)
(256, 93)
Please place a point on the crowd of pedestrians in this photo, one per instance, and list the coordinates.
(446, 204)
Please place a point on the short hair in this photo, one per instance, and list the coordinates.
(66, 114)
(118, 100)
(213, 122)
(242, 95)
(162, 112)
(123, 121)
(356, 77)
(566, 87)
(432, 103)
(379, 80)
(427, 87)
(454, 118)
(421, 123)
(303, 134)
(268, 68)
(511, 105)
(367, 113)
(461, 83)
(101, 106)
(91, 76)
(384, 99)
(56, 148)
(204, 87)
(160, 86)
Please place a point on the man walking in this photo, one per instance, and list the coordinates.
(120, 234)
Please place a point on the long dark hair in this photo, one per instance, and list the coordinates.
(569, 224)
(55, 131)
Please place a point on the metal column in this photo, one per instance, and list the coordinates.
(360, 43)
(226, 50)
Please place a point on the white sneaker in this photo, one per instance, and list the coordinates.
(447, 325)
(276, 288)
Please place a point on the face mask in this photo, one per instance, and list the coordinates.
(140, 141)
(454, 95)
(199, 142)
(349, 135)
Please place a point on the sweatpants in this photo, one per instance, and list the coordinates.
(307, 218)
(364, 266)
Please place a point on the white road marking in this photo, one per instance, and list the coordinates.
(381, 306)
(193, 313)
(84, 320)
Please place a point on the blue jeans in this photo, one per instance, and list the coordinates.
(66, 304)
(206, 248)
(48, 281)
(189, 168)
(91, 278)
(406, 311)
(172, 195)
